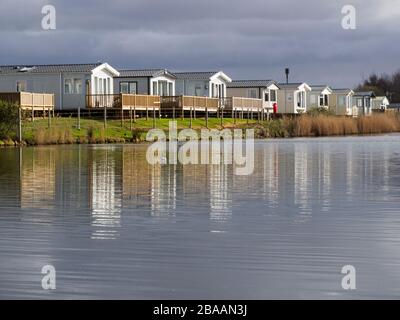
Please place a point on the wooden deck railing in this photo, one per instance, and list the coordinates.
(239, 103)
(140, 102)
(124, 101)
(29, 100)
(190, 102)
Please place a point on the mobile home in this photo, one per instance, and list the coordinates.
(266, 90)
(145, 82)
(70, 83)
(363, 101)
(202, 84)
(380, 103)
(319, 96)
(341, 102)
(292, 97)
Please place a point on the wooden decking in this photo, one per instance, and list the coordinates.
(173, 103)
(188, 103)
(243, 104)
(29, 100)
(123, 101)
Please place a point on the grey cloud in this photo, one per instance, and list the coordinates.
(247, 39)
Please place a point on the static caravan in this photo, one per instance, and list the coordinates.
(292, 97)
(159, 82)
(380, 104)
(341, 102)
(70, 83)
(319, 96)
(363, 101)
(202, 84)
(266, 90)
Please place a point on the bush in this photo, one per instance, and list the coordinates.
(137, 135)
(319, 111)
(9, 114)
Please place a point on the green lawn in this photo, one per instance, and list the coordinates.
(115, 130)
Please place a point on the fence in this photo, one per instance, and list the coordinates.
(123, 101)
(29, 100)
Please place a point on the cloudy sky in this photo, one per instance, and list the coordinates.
(248, 39)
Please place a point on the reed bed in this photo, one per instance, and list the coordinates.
(53, 136)
(325, 125)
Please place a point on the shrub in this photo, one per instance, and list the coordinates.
(9, 114)
(137, 135)
(319, 111)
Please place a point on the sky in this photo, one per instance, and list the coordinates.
(247, 39)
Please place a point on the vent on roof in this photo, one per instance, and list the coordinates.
(26, 69)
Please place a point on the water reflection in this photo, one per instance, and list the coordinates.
(109, 182)
(119, 227)
(105, 191)
(38, 177)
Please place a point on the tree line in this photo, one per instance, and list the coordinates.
(383, 85)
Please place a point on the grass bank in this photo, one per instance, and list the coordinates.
(64, 130)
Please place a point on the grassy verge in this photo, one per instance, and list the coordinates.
(64, 130)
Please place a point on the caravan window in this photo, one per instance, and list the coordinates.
(155, 91)
(68, 89)
(273, 95)
(78, 86)
(73, 86)
(128, 87)
(342, 101)
(252, 93)
(21, 85)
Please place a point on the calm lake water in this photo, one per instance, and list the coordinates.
(115, 227)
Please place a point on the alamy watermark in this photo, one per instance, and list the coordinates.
(49, 19)
(349, 280)
(349, 21)
(210, 147)
(49, 278)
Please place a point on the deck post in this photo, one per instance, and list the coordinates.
(248, 115)
(173, 112)
(258, 115)
(19, 125)
(190, 124)
(206, 117)
(130, 118)
(49, 119)
(147, 113)
(79, 118)
(134, 114)
(105, 116)
(122, 117)
(242, 115)
(222, 116)
(154, 117)
(33, 114)
(182, 103)
(194, 108)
